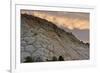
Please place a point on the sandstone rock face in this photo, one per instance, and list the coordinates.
(41, 40)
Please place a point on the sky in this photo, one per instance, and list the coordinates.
(75, 22)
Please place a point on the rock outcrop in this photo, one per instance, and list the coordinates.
(42, 40)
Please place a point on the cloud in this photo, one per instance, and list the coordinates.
(70, 20)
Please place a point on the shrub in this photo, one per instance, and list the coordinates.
(54, 58)
(28, 59)
(61, 58)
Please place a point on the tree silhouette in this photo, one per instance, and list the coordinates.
(54, 58)
(61, 58)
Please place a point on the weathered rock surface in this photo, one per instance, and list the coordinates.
(41, 40)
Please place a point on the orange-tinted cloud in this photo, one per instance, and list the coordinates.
(71, 20)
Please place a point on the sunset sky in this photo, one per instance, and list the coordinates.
(76, 22)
